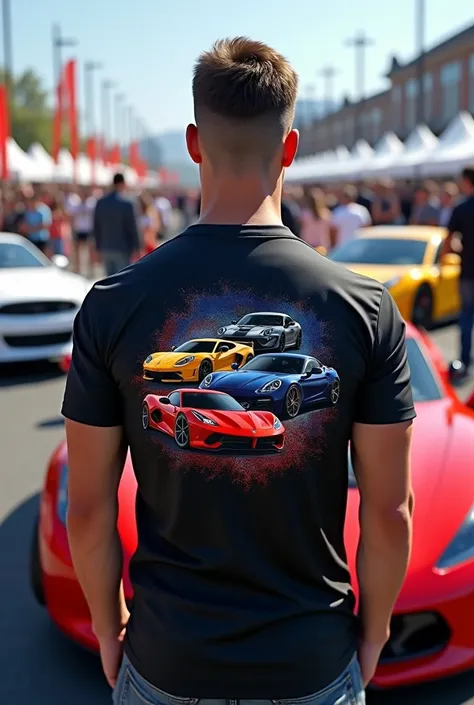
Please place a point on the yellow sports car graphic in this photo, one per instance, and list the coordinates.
(194, 360)
(408, 260)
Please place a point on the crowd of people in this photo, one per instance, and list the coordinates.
(61, 219)
(326, 217)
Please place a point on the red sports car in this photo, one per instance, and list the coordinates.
(209, 420)
(433, 623)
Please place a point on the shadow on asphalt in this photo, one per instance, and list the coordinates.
(39, 665)
(51, 423)
(15, 374)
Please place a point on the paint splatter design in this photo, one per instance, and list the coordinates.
(304, 435)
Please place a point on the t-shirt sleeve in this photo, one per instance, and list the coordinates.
(92, 396)
(385, 396)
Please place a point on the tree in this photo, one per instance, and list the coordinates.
(30, 114)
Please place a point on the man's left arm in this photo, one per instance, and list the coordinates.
(96, 452)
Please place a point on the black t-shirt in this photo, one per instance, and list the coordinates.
(462, 221)
(241, 586)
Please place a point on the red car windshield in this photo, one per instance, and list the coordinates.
(213, 402)
(424, 385)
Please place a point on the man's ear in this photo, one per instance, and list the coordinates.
(290, 148)
(192, 143)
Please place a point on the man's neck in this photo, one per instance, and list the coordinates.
(239, 202)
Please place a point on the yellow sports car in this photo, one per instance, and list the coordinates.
(196, 359)
(407, 260)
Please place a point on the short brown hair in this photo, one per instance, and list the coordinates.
(248, 86)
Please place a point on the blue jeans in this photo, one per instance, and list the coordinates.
(132, 689)
(114, 261)
(466, 319)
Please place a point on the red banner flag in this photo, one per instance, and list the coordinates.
(70, 79)
(4, 133)
(58, 120)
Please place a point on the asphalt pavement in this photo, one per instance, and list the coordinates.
(38, 665)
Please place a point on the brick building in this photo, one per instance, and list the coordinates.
(446, 75)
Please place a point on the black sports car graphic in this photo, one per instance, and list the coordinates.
(265, 332)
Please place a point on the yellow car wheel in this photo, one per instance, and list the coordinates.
(422, 315)
(205, 368)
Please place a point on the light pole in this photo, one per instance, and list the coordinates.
(7, 48)
(118, 110)
(58, 43)
(106, 88)
(360, 42)
(89, 68)
(328, 73)
(420, 25)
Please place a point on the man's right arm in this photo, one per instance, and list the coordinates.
(380, 448)
(454, 226)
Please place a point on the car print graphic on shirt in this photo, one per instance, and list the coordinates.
(267, 332)
(212, 421)
(288, 384)
(195, 359)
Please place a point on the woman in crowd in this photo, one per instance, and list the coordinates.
(148, 222)
(80, 209)
(316, 227)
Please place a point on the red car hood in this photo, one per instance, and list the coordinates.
(443, 482)
(242, 420)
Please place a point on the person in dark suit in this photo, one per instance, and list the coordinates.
(116, 235)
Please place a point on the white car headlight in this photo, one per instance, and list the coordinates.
(185, 361)
(221, 331)
(461, 547)
(148, 359)
(270, 386)
(203, 419)
(392, 282)
(277, 423)
(268, 331)
(206, 382)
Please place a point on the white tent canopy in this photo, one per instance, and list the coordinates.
(44, 163)
(418, 148)
(20, 165)
(455, 148)
(387, 152)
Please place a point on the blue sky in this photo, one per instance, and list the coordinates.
(148, 46)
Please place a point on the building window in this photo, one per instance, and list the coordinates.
(451, 90)
(396, 107)
(471, 84)
(428, 96)
(349, 129)
(376, 124)
(411, 97)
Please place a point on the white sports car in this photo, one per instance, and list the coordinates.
(38, 302)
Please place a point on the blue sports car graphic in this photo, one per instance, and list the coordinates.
(265, 332)
(288, 384)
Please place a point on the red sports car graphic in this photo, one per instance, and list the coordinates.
(432, 634)
(213, 421)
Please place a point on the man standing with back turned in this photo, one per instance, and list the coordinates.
(115, 229)
(241, 588)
